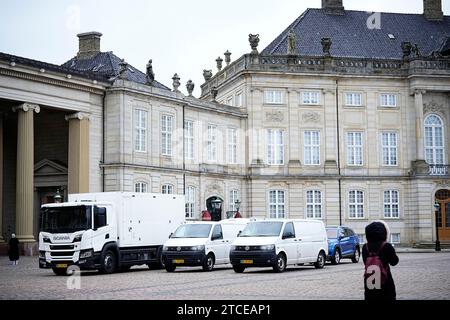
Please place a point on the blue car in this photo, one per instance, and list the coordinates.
(343, 243)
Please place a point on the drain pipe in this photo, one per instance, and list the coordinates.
(338, 152)
(184, 154)
(103, 140)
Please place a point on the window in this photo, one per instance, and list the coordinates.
(354, 149)
(239, 100)
(314, 204)
(356, 204)
(217, 232)
(230, 101)
(389, 148)
(234, 195)
(189, 139)
(275, 146)
(353, 99)
(312, 147)
(276, 204)
(391, 204)
(140, 125)
(232, 145)
(166, 135)
(140, 187)
(99, 217)
(212, 143)
(388, 100)
(289, 231)
(167, 189)
(190, 202)
(274, 97)
(395, 238)
(310, 97)
(434, 140)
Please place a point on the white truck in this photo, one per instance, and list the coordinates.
(108, 231)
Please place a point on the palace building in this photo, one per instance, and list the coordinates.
(343, 117)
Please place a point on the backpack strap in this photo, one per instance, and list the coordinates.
(381, 248)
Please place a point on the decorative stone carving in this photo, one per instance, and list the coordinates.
(442, 183)
(227, 57)
(415, 49)
(275, 116)
(311, 117)
(207, 74)
(219, 61)
(406, 49)
(433, 106)
(326, 46)
(292, 43)
(149, 72)
(123, 67)
(190, 87)
(254, 41)
(214, 188)
(214, 93)
(176, 82)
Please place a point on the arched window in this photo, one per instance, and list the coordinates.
(434, 139)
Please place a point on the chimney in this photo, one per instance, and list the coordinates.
(89, 44)
(432, 10)
(333, 7)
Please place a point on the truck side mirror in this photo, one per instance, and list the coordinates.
(239, 233)
(170, 235)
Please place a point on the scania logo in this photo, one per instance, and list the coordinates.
(247, 248)
(178, 248)
(59, 238)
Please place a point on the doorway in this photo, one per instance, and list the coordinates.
(214, 206)
(443, 217)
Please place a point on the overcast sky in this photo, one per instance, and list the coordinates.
(182, 36)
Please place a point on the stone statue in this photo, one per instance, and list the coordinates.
(227, 55)
(292, 43)
(207, 74)
(123, 67)
(219, 61)
(176, 82)
(415, 49)
(326, 46)
(254, 41)
(190, 87)
(406, 49)
(150, 73)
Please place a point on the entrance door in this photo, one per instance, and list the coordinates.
(443, 218)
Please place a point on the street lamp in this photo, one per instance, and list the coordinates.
(438, 243)
(216, 204)
(57, 197)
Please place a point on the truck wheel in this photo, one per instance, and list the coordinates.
(356, 255)
(320, 263)
(280, 265)
(336, 258)
(60, 271)
(208, 265)
(238, 269)
(170, 267)
(108, 263)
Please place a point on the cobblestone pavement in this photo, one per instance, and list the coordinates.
(418, 276)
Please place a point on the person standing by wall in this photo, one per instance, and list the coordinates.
(14, 249)
(378, 255)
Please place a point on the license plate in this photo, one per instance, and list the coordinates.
(61, 265)
(178, 261)
(246, 261)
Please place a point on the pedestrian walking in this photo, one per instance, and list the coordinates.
(378, 255)
(14, 249)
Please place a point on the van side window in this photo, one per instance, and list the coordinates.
(99, 217)
(217, 233)
(289, 231)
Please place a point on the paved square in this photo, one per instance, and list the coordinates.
(418, 276)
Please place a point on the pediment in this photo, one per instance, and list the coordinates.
(47, 167)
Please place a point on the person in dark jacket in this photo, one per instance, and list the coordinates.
(14, 250)
(376, 235)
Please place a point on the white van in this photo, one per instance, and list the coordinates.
(278, 243)
(201, 244)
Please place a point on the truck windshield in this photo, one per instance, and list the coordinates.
(192, 231)
(332, 233)
(66, 219)
(262, 229)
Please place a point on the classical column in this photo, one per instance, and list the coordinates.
(1, 178)
(24, 174)
(78, 172)
(418, 102)
(330, 130)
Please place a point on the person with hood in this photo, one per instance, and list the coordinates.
(377, 249)
(14, 249)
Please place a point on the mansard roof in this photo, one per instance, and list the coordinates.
(351, 37)
(107, 64)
